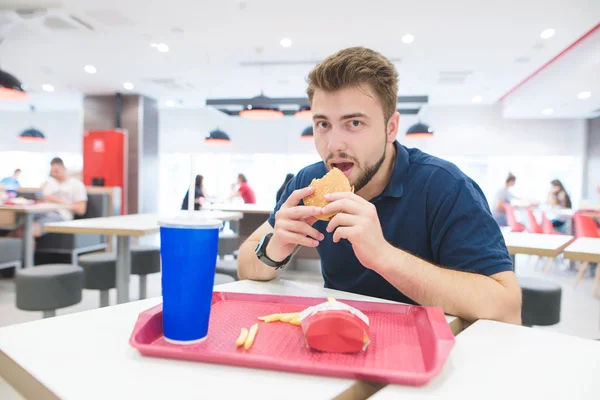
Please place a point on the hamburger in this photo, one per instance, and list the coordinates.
(334, 181)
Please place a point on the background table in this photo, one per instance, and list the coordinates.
(28, 211)
(492, 360)
(87, 356)
(541, 245)
(124, 227)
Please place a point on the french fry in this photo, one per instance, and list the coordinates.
(296, 320)
(288, 317)
(271, 318)
(251, 336)
(242, 338)
(331, 299)
(284, 317)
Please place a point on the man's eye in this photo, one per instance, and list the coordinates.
(355, 123)
(322, 124)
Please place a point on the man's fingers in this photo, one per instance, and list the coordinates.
(343, 232)
(344, 205)
(300, 227)
(331, 197)
(298, 213)
(342, 219)
(297, 195)
(296, 238)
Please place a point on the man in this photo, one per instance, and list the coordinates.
(61, 189)
(503, 197)
(244, 191)
(415, 230)
(12, 182)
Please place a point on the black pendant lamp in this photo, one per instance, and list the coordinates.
(32, 135)
(260, 113)
(307, 134)
(419, 131)
(217, 137)
(304, 113)
(10, 87)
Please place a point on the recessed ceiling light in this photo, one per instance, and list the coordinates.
(477, 99)
(162, 47)
(547, 33)
(90, 69)
(584, 95)
(170, 103)
(47, 87)
(285, 42)
(548, 111)
(128, 85)
(408, 38)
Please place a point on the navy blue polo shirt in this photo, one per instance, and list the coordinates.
(430, 209)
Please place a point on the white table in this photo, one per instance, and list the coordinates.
(28, 212)
(537, 244)
(492, 360)
(124, 227)
(87, 356)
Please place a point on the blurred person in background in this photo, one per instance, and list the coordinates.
(243, 190)
(59, 189)
(12, 182)
(558, 198)
(199, 195)
(288, 178)
(503, 196)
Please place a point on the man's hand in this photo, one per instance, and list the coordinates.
(293, 226)
(54, 199)
(357, 221)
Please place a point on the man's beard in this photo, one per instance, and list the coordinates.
(368, 173)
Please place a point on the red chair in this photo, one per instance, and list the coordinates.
(547, 226)
(532, 225)
(512, 220)
(585, 226)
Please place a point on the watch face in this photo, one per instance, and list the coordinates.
(259, 250)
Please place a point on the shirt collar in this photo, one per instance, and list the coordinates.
(395, 187)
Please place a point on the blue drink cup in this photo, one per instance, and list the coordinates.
(188, 250)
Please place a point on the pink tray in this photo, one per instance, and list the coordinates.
(409, 344)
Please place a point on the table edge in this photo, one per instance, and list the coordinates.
(22, 381)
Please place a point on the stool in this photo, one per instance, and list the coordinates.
(100, 270)
(227, 267)
(144, 260)
(220, 279)
(541, 302)
(49, 287)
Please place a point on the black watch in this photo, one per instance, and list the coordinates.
(261, 253)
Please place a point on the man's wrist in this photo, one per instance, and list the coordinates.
(273, 253)
(389, 256)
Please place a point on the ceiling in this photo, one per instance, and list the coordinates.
(231, 48)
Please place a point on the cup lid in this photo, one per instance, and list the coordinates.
(190, 222)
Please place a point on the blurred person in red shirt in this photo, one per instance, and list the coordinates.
(244, 190)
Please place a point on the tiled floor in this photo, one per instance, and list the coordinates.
(580, 310)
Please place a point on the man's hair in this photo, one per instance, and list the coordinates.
(510, 178)
(353, 67)
(57, 161)
(18, 170)
(242, 178)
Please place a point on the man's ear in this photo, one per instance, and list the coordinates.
(392, 127)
